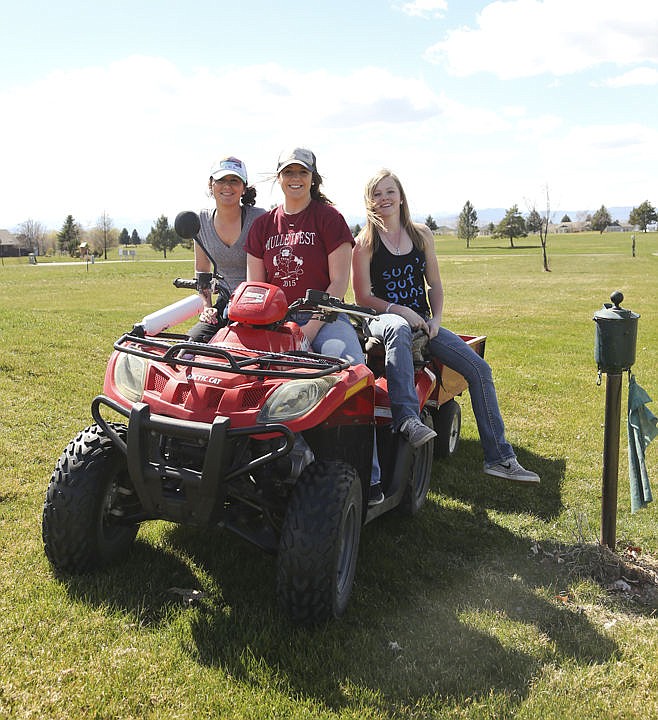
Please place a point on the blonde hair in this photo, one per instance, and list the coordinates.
(374, 223)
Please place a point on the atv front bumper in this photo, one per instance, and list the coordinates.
(182, 494)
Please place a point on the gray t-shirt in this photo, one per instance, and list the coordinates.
(231, 262)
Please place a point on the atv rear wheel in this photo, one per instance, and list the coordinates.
(320, 543)
(447, 423)
(88, 489)
(421, 474)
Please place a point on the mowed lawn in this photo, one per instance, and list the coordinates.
(494, 602)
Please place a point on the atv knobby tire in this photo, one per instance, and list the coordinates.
(320, 543)
(88, 487)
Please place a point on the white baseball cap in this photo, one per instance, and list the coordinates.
(229, 166)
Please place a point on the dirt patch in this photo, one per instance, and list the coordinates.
(631, 573)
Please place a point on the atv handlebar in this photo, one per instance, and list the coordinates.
(313, 301)
(317, 300)
(187, 283)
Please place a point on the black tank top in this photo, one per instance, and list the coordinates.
(400, 279)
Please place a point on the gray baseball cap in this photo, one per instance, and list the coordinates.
(296, 156)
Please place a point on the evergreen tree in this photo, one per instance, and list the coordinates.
(68, 238)
(643, 215)
(534, 221)
(134, 238)
(565, 218)
(467, 227)
(511, 226)
(124, 238)
(601, 219)
(162, 236)
(356, 230)
(431, 223)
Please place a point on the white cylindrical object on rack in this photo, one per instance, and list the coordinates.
(171, 315)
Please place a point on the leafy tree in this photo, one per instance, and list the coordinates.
(511, 226)
(467, 226)
(565, 218)
(134, 238)
(124, 238)
(491, 228)
(534, 221)
(601, 219)
(162, 236)
(642, 215)
(68, 238)
(431, 223)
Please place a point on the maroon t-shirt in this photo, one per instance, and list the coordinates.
(295, 248)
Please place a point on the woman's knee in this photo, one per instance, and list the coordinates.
(397, 329)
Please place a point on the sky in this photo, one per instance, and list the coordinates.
(121, 107)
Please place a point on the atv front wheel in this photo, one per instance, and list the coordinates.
(88, 493)
(320, 543)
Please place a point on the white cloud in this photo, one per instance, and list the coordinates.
(425, 8)
(637, 76)
(136, 139)
(523, 38)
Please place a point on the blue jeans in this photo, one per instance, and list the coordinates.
(395, 332)
(339, 339)
(453, 352)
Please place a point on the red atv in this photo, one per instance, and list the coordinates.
(250, 432)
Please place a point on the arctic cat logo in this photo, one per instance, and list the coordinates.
(197, 377)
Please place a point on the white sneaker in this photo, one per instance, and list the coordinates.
(416, 432)
(512, 470)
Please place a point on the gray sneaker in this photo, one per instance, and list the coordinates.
(416, 432)
(512, 470)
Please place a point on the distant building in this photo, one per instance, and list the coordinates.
(570, 227)
(9, 244)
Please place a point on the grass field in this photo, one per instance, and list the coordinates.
(494, 602)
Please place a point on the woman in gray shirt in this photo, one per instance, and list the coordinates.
(220, 245)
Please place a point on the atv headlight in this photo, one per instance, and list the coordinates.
(295, 398)
(130, 376)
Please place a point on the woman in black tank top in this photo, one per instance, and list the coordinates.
(395, 271)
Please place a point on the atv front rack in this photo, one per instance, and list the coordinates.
(177, 350)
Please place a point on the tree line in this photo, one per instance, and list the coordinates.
(33, 237)
(68, 240)
(514, 225)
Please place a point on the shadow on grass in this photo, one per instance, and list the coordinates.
(461, 477)
(430, 598)
(446, 605)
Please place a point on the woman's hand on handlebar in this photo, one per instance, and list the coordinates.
(209, 315)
